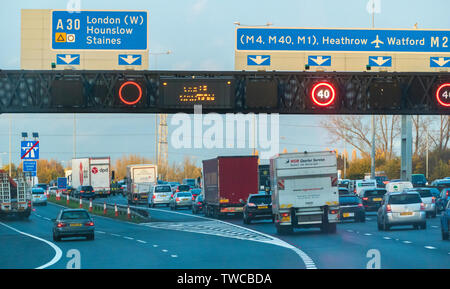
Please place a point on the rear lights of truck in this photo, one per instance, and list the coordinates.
(333, 212)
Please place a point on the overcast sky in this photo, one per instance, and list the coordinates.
(200, 34)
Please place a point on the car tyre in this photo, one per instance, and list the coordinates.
(380, 228)
(386, 227)
(90, 237)
(423, 226)
(56, 238)
(444, 235)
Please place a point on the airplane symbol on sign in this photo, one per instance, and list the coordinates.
(377, 42)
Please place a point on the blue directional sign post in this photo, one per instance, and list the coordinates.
(258, 60)
(299, 39)
(62, 183)
(99, 30)
(29, 166)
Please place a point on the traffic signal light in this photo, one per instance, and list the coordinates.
(67, 93)
(443, 95)
(323, 94)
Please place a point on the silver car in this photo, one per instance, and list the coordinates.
(181, 199)
(399, 209)
(161, 195)
(428, 199)
(38, 196)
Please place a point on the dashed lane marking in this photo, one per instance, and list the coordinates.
(430, 247)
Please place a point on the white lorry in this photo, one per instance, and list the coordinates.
(15, 196)
(140, 180)
(95, 172)
(304, 191)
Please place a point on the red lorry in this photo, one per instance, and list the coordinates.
(228, 181)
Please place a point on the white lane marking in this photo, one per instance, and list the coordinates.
(309, 263)
(155, 246)
(430, 247)
(434, 227)
(407, 242)
(387, 238)
(129, 238)
(58, 251)
(140, 241)
(48, 219)
(116, 235)
(174, 256)
(368, 234)
(350, 231)
(369, 219)
(100, 232)
(164, 250)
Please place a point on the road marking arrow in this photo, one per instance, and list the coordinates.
(68, 58)
(380, 60)
(441, 61)
(130, 59)
(258, 59)
(320, 60)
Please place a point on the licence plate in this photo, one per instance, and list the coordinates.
(406, 214)
(285, 219)
(346, 215)
(75, 225)
(143, 197)
(185, 199)
(377, 200)
(263, 207)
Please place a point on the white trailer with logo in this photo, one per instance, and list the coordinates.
(304, 191)
(140, 180)
(95, 172)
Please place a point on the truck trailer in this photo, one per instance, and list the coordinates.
(15, 197)
(305, 191)
(95, 172)
(140, 180)
(228, 181)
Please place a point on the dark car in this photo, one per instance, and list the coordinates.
(442, 201)
(418, 180)
(445, 223)
(372, 198)
(69, 190)
(196, 192)
(86, 192)
(189, 182)
(343, 183)
(441, 184)
(258, 207)
(351, 208)
(43, 186)
(343, 191)
(73, 223)
(197, 205)
(381, 181)
(183, 188)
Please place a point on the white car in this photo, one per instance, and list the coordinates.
(38, 196)
(160, 195)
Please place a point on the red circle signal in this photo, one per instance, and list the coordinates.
(323, 94)
(138, 97)
(443, 94)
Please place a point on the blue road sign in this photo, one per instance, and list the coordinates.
(299, 39)
(68, 59)
(439, 61)
(62, 183)
(29, 166)
(99, 30)
(258, 60)
(319, 60)
(29, 150)
(380, 61)
(130, 59)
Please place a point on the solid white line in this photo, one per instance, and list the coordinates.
(278, 242)
(58, 251)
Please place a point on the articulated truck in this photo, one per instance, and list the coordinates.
(15, 196)
(228, 181)
(304, 191)
(140, 180)
(93, 172)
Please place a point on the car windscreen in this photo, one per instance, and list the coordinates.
(199, 198)
(163, 189)
(196, 191)
(424, 193)
(37, 191)
(74, 215)
(348, 200)
(374, 193)
(260, 200)
(418, 178)
(184, 195)
(44, 186)
(184, 188)
(190, 182)
(403, 199)
(443, 185)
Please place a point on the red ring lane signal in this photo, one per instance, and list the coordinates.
(438, 94)
(130, 83)
(331, 89)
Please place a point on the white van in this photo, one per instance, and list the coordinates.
(398, 186)
(364, 185)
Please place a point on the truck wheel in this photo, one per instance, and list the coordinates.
(444, 235)
(56, 238)
(423, 226)
(331, 228)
